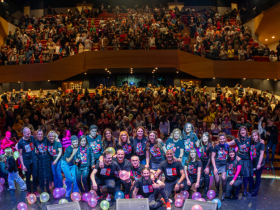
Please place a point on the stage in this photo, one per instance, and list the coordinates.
(268, 199)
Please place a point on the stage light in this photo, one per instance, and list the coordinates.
(265, 39)
(85, 73)
(156, 68)
(267, 79)
(48, 80)
(18, 81)
(214, 78)
(2, 1)
(177, 72)
(273, 37)
(244, 78)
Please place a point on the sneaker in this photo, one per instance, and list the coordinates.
(37, 194)
(99, 197)
(108, 198)
(24, 189)
(10, 189)
(126, 196)
(28, 193)
(169, 201)
(168, 206)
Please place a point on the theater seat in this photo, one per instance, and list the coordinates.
(257, 58)
(234, 133)
(265, 58)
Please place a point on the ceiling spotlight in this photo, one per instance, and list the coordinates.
(131, 68)
(48, 80)
(267, 79)
(265, 39)
(244, 78)
(273, 37)
(156, 67)
(275, 80)
(18, 81)
(85, 73)
(214, 78)
(131, 72)
(106, 69)
(177, 72)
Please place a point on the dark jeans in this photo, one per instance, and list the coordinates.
(153, 202)
(193, 179)
(233, 189)
(82, 179)
(110, 184)
(32, 169)
(169, 186)
(126, 186)
(268, 147)
(257, 183)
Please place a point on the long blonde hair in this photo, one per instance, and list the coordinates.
(120, 139)
(9, 152)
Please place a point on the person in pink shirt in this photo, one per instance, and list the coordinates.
(66, 140)
(7, 142)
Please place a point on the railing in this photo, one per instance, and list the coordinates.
(257, 9)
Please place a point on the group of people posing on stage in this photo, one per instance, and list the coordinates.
(156, 168)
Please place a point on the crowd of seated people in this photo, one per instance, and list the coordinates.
(142, 125)
(222, 37)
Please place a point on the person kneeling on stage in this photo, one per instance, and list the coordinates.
(125, 165)
(234, 181)
(173, 172)
(151, 189)
(193, 171)
(105, 176)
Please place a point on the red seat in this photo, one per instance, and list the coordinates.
(234, 133)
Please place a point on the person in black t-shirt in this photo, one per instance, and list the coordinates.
(105, 175)
(125, 165)
(136, 169)
(173, 172)
(29, 160)
(193, 170)
(151, 189)
(219, 161)
(125, 144)
(257, 153)
(234, 181)
(206, 152)
(44, 159)
(272, 133)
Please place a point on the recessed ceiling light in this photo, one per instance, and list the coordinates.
(18, 81)
(177, 72)
(48, 80)
(85, 73)
(265, 39)
(156, 67)
(153, 72)
(267, 79)
(106, 69)
(131, 68)
(275, 79)
(214, 78)
(273, 37)
(244, 78)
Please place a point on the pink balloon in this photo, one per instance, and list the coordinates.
(93, 193)
(178, 196)
(22, 206)
(56, 193)
(2, 181)
(179, 202)
(62, 191)
(197, 207)
(211, 194)
(185, 194)
(196, 196)
(139, 196)
(92, 202)
(86, 197)
(201, 199)
(124, 175)
(1, 188)
(75, 196)
(31, 198)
